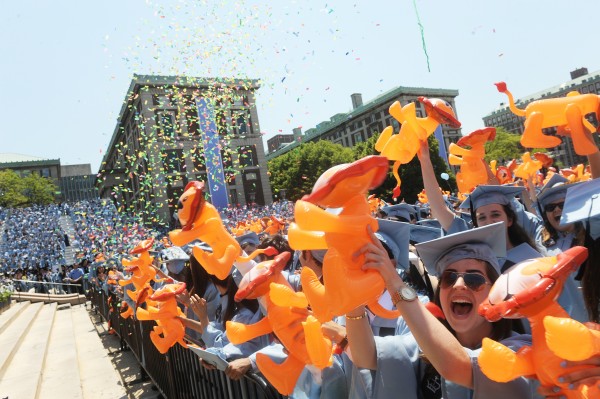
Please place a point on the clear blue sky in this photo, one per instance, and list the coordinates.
(66, 65)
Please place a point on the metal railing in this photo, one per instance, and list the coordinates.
(177, 374)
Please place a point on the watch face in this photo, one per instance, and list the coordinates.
(408, 294)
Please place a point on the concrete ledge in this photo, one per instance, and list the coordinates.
(73, 299)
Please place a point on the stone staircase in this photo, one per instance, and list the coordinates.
(53, 351)
(66, 224)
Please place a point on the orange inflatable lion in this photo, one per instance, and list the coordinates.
(530, 289)
(346, 285)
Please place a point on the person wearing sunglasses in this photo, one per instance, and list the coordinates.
(555, 238)
(467, 265)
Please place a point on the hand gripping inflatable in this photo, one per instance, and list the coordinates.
(530, 289)
(200, 220)
(346, 285)
(403, 146)
(567, 114)
(529, 168)
(169, 329)
(300, 335)
(473, 170)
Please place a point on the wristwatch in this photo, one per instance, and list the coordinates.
(405, 293)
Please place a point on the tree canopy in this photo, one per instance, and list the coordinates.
(297, 171)
(16, 191)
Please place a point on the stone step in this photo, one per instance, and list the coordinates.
(11, 313)
(11, 338)
(61, 377)
(23, 376)
(99, 378)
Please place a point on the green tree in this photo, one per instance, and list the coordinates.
(11, 189)
(40, 190)
(16, 191)
(506, 147)
(297, 171)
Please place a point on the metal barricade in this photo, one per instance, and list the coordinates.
(178, 374)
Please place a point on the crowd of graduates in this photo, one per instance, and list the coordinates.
(437, 260)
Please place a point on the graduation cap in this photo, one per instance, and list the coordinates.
(420, 234)
(582, 204)
(487, 243)
(491, 194)
(429, 223)
(555, 189)
(248, 238)
(396, 236)
(404, 211)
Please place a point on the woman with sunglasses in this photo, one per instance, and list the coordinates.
(488, 204)
(467, 266)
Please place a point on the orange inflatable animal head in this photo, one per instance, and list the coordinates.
(531, 286)
(545, 159)
(338, 184)
(530, 289)
(440, 110)
(255, 283)
(142, 246)
(190, 204)
(473, 170)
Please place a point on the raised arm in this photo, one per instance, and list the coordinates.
(436, 200)
(442, 349)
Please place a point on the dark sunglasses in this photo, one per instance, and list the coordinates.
(552, 207)
(474, 281)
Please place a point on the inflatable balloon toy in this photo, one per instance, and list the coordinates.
(200, 220)
(576, 174)
(273, 225)
(127, 311)
(299, 334)
(528, 168)
(402, 147)
(473, 171)
(545, 159)
(530, 289)
(169, 330)
(422, 197)
(565, 113)
(346, 285)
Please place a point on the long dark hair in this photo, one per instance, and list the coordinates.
(516, 234)
(591, 277)
(500, 329)
(232, 306)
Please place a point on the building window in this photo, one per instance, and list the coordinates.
(247, 156)
(166, 124)
(45, 172)
(191, 117)
(241, 125)
(228, 169)
(173, 161)
(221, 120)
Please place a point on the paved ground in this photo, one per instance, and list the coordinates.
(125, 362)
